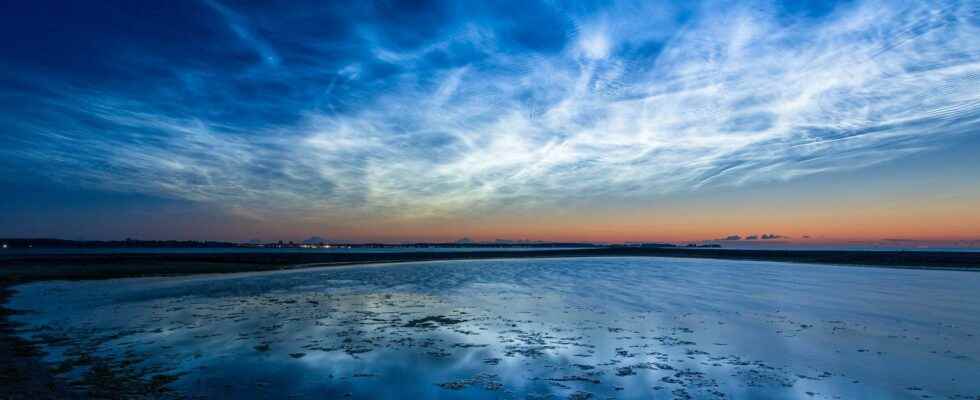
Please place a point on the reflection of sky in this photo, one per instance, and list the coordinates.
(391, 121)
(538, 327)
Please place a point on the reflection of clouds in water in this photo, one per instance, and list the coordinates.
(623, 327)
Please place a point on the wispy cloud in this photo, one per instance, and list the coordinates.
(467, 123)
(237, 24)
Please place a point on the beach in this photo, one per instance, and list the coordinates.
(178, 276)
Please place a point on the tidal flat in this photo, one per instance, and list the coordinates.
(618, 327)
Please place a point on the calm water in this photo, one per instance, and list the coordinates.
(557, 328)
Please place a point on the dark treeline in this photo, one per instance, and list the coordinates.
(92, 244)
(134, 243)
(19, 243)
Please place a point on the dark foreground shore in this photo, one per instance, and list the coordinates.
(23, 375)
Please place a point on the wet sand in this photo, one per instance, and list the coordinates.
(608, 327)
(24, 376)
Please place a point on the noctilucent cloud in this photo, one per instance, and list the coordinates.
(640, 120)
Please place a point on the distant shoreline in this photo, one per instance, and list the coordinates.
(27, 267)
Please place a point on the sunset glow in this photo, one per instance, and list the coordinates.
(626, 121)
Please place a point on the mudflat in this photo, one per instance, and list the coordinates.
(560, 327)
(23, 375)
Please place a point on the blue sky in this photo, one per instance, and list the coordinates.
(238, 119)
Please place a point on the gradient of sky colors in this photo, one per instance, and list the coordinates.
(394, 121)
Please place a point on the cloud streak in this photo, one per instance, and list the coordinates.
(469, 119)
(240, 28)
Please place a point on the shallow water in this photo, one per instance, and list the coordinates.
(529, 328)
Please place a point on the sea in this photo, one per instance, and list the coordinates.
(575, 328)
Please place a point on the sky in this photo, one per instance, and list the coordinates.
(805, 121)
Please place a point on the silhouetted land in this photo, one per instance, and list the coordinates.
(31, 267)
(43, 243)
